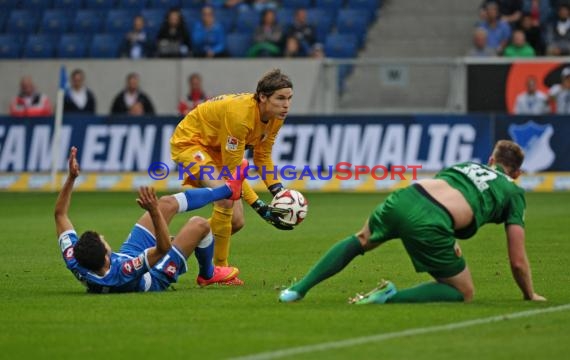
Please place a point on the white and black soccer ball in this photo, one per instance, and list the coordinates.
(294, 202)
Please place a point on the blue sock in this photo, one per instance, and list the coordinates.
(204, 253)
(192, 199)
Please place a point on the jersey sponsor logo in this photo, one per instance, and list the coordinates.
(171, 269)
(64, 242)
(128, 267)
(535, 141)
(232, 143)
(69, 253)
(138, 261)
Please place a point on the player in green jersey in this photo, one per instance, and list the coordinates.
(428, 216)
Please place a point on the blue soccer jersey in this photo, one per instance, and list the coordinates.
(129, 271)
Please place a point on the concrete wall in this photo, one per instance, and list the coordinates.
(164, 80)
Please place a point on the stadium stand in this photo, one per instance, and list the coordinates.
(94, 21)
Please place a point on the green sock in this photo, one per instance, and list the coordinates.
(427, 292)
(331, 263)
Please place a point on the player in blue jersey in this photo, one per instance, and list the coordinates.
(147, 260)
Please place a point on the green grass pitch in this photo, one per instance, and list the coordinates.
(45, 313)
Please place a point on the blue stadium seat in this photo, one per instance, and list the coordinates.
(88, 21)
(72, 46)
(341, 46)
(192, 4)
(105, 46)
(351, 21)
(226, 17)
(132, 4)
(36, 4)
(329, 4)
(323, 21)
(238, 44)
(164, 4)
(67, 4)
(40, 46)
(22, 22)
(56, 21)
(119, 21)
(10, 46)
(8, 4)
(247, 21)
(99, 4)
(190, 16)
(285, 17)
(153, 18)
(371, 6)
(3, 20)
(296, 4)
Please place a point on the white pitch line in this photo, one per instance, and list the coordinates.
(386, 336)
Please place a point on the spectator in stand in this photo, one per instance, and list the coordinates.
(538, 10)
(480, 47)
(239, 5)
(29, 102)
(533, 34)
(318, 51)
(558, 33)
(195, 96)
(518, 46)
(268, 37)
(509, 10)
(173, 39)
(132, 101)
(136, 44)
(559, 94)
(209, 36)
(79, 99)
(302, 30)
(498, 31)
(531, 101)
(292, 48)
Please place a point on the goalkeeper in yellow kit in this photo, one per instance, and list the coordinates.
(216, 134)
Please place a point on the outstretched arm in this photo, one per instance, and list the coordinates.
(62, 222)
(149, 201)
(520, 266)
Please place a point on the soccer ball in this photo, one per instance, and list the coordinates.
(293, 201)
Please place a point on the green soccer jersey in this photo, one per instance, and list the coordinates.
(492, 195)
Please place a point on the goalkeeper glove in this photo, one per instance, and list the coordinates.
(275, 188)
(271, 214)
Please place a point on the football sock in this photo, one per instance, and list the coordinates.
(331, 263)
(427, 292)
(221, 224)
(204, 253)
(192, 199)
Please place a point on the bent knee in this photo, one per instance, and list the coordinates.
(225, 203)
(200, 224)
(168, 203)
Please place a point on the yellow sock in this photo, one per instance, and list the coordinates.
(221, 224)
(248, 194)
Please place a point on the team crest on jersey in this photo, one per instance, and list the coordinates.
(232, 143)
(170, 269)
(128, 267)
(198, 156)
(535, 140)
(138, 261)
(69, 253)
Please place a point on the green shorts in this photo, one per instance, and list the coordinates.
(425, 227)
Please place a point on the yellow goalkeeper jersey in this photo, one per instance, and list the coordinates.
(227, 124)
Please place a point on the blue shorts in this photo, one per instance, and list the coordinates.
(163, 273)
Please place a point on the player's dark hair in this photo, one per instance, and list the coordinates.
(508, 154)
(271, 82)
(89, 251)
